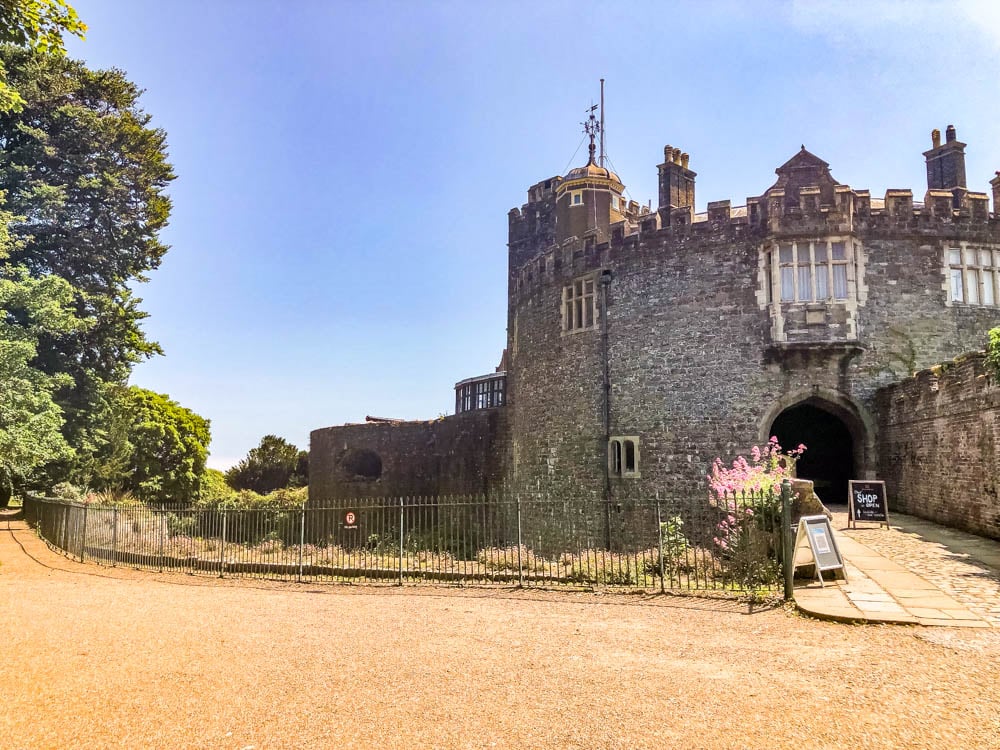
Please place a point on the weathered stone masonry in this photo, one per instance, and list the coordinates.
(703, 353)
(641, 344)
(456, 455)
(939, 434)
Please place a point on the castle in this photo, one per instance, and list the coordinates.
(643, 343)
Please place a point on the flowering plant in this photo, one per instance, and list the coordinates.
(747, 494)
(765, 470)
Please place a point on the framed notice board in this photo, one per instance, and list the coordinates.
(867, 501)
(816, 545)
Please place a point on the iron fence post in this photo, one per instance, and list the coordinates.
(401, 540)
(222, 548)
(659, 535)
(83, 541)
(159, 554)
(302, 539)
(114, 537)
(520, 567)
(786, 541)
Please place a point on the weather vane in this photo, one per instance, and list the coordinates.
(592, 128)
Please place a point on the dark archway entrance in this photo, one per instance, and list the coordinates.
(829, 456)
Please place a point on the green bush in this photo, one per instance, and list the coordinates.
(284, 499)
(993, 353)
(67, 491)
(214, 489)
(180, 525)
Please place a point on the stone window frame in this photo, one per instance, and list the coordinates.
(972, 267)
(576, 198)
(623, 456)
(793, 264)
(579, 304)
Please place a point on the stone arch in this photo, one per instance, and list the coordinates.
(855, 418)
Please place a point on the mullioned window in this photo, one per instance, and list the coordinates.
(623, 457)
(973, 275)
(579, 305)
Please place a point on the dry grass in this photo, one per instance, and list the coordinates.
(196, 662)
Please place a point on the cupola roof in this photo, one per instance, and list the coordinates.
(591, 169)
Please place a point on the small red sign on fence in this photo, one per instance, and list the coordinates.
(350, 519)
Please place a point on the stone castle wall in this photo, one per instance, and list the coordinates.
(698, 367)
(938, 437)
(462, 454)
(700, 351)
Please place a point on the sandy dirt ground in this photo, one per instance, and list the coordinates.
(108, 658)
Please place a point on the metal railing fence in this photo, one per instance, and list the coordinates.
(730, 543)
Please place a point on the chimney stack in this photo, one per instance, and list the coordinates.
(676, 183)
(946, 164)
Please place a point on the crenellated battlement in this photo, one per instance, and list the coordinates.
(805, 201)
(769, 215)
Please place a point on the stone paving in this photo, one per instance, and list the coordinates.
(915, 572)
(946, 558)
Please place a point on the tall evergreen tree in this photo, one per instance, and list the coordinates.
(84, 176)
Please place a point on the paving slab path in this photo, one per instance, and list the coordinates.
(914, 572)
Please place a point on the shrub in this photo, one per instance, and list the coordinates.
(506, 558)
(611, 568)
(765, 471)
(113, 498)
(183, 546)
(993, 353)
(180, 526)
(284, 499)
(214, 490)
(270, 546)
(67, 491)
(747, 535)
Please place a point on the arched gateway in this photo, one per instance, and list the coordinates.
(838, 435)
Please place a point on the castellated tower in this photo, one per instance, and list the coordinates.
(641, 345)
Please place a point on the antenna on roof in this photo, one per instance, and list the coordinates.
(601, 162)
(592, 128)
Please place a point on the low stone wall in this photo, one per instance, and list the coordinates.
(939, 434)
(462, 454)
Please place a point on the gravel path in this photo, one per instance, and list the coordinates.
(97, 657)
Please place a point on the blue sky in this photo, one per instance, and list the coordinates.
(345, 169)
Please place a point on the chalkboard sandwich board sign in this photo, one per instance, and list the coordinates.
(815, 545)
(867, 501)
